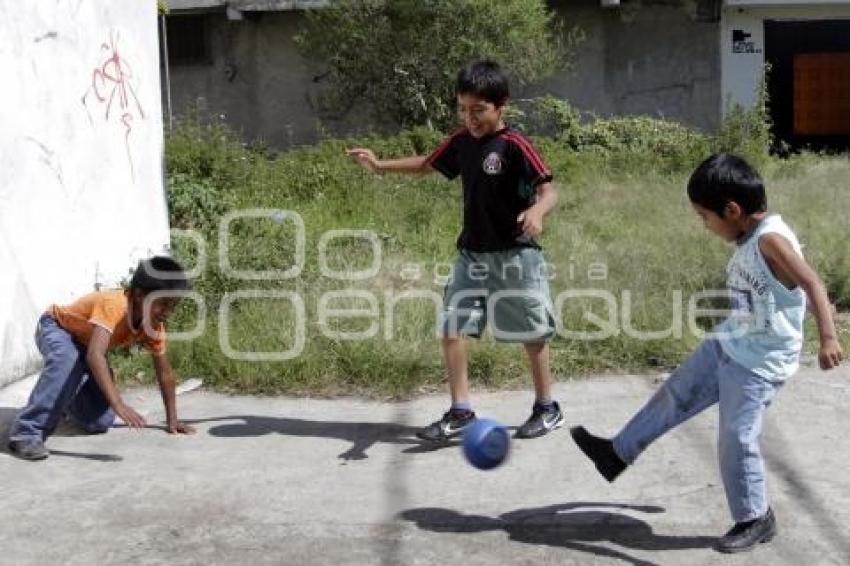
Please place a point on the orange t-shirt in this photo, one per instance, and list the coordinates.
(107, 309)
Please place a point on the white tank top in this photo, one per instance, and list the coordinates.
(765, 330)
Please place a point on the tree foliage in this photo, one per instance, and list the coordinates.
(401, 57)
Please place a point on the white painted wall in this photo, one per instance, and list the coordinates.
(741, 72)
(81, 193)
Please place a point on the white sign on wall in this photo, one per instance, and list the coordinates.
(81, 195)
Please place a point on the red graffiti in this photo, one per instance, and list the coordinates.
(112, 84)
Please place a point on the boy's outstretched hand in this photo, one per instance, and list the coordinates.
(365, 157)
(180, 428)
(830, 354)
(130, 417)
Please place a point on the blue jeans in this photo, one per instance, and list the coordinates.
(65, 385)
(707, 377)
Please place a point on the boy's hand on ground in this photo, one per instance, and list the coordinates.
(531, 222)
(830, 354)
(365, 157)
(180, 428)
(130, 417)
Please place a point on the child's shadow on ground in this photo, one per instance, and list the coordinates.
(8, 414)
(579, 526)
(361, 435)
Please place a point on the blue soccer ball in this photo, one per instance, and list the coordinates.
(486, 443)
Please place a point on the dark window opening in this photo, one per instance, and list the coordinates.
(188, 41)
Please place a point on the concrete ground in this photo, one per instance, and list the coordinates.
(310, 481)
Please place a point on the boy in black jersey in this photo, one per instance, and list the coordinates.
(500, 275)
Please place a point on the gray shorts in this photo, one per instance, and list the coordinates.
(509, 289)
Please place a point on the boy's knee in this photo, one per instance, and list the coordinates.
(672, 398)
(682, 393)
(535, 347)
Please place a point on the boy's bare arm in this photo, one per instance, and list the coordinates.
(366, 157)
(792, 270)
(168, 387)
(531, 219)
(96, 360)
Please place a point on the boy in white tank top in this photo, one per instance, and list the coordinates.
(744, 362)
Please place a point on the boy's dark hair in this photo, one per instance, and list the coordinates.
(159, 273)
(725, 178)
(485, 80)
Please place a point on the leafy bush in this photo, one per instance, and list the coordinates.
(194, 202)
(747, 131)
(548, 116)
(634, 142)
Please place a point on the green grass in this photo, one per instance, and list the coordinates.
(624, 209)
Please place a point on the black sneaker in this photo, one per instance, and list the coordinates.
(541, 421)
(29, 449)
(601, 451)
(745, 536)
(452, 424)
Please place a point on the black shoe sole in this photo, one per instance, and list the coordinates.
(433, 440)
(765, 539)
(444, 439)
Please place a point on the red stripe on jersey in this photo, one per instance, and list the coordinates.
(529, 152)
(445, 144)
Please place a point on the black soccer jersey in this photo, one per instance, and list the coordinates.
(500, 173)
